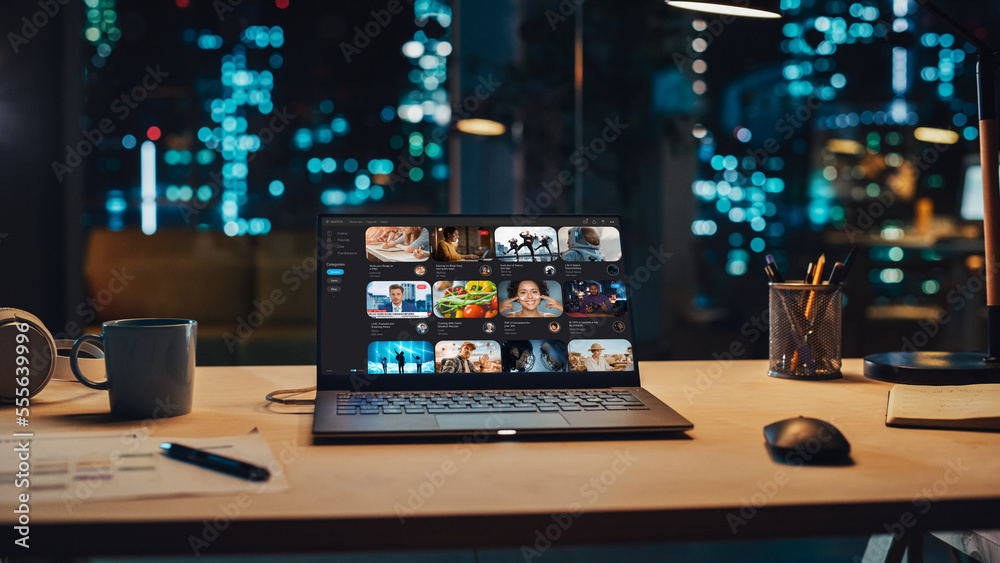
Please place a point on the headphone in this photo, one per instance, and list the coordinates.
(30, 356)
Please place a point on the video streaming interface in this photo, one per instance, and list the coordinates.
(413, 295)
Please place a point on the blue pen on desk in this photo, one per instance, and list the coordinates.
(217, 462)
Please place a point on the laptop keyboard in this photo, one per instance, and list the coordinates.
(452, 402)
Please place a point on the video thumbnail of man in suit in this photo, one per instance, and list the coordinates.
(398, 299)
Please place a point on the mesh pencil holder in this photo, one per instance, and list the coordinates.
(805, 323)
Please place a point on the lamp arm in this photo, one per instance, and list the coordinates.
(978, 43)
(989, 155)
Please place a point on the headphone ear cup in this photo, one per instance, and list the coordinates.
(29, 350)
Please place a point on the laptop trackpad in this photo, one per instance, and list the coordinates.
(501, 421)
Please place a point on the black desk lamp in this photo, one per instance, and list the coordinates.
(961, 368)
(937, 368)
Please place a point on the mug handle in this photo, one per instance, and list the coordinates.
(75, 365)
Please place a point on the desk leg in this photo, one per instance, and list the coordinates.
(888, 548)
(915, 548)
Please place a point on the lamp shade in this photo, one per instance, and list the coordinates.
(745, 8)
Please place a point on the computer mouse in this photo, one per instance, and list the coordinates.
(806, 441)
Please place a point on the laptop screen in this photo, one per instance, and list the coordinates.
(472, 302)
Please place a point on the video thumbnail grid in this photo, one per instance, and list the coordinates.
(491, 356)
(473, 299)
(504, 244)
(547, 299)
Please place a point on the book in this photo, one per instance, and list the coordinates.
(970, 407)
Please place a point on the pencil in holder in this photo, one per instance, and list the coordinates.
(805, 331)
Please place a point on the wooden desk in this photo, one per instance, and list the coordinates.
(717, 483)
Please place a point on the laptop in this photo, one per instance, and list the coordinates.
(537, 340)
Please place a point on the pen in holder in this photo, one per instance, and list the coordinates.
(805, 322)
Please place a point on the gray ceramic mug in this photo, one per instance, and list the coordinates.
(149, 365)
